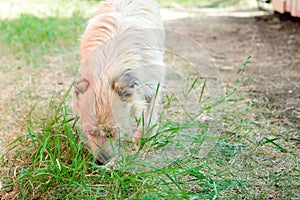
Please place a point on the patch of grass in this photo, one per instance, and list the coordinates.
(55, 165)
(32, 37)
(32, 31)
(29, 32)
(51, 162)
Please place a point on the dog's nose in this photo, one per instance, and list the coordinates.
(102, 158)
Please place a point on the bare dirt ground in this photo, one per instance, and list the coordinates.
(274, 47)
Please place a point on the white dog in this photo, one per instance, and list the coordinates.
(121, 68)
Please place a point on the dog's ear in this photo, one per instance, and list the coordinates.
(81, 85)
(125, 86)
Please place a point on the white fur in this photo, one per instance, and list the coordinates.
(125, 37)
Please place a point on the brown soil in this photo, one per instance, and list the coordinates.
(275, 63)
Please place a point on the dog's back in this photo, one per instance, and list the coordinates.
(115, 17)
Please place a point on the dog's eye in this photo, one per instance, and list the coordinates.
(108, 132)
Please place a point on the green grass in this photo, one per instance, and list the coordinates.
(29, 32)
(56, 165)
(31, 37)
(33, 31)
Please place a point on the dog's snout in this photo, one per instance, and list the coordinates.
(102, 158)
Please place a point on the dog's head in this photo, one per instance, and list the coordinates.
(108, 109)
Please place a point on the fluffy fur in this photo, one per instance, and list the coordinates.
(121, 66)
